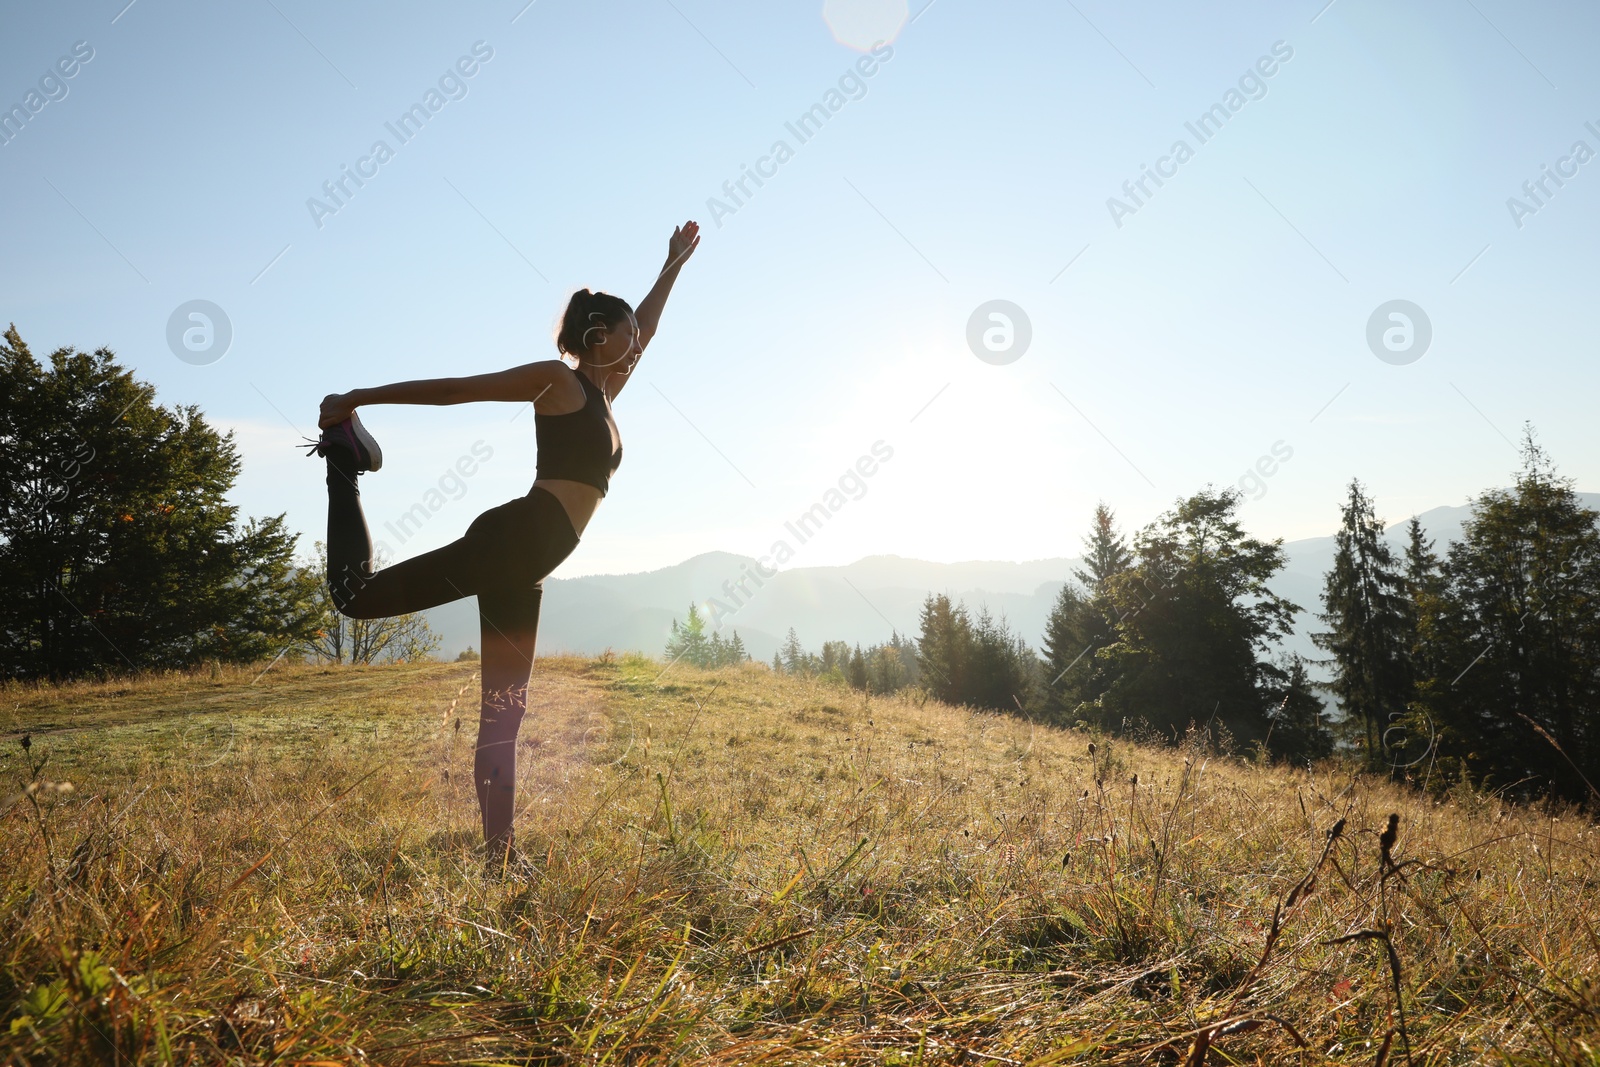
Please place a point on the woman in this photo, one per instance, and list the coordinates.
(508, 550)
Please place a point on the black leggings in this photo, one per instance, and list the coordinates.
(502, 560)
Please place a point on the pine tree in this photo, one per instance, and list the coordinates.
(1422, 587)
(1365, 611)
(1002, 670)
(1296, 730)
(688, 641)
(1079, 626)
(1106, 553)
(943, 648)
(857, 674)
(795, 658)
(1514, 633)
(736, 651)
(777, 663)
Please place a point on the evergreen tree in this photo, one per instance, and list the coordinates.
(1106, 553)
(1002, 670)
(777, 663)
(716, 651)
(1190, 616)
(1079, 626)
(688, 642)
(1365, 611)
(736, 651)
(859, 679)
(943, 648)
(1515, 636)
(1295, 729)
(795, 658)
(1422, 564)
(118, 548)
(1422, 588)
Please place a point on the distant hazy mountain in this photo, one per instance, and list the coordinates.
(862, 602)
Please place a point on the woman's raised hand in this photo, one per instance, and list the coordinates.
(336, 407)
(685, 239)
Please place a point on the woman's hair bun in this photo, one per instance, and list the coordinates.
(588, 312)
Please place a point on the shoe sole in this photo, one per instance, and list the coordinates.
(367, 442)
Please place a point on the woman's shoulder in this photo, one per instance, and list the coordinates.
(561, 390)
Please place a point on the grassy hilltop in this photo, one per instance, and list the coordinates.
(733, 867)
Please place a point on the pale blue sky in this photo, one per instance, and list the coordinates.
(822, 316)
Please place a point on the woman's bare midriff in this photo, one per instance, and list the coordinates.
(579, 498)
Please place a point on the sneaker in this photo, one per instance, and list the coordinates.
(352, 437)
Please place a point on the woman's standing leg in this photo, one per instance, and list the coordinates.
(509, 619)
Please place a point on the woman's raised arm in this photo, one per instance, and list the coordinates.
(682, 245)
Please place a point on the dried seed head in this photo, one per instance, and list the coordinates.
(27, 742)
(1091, 748)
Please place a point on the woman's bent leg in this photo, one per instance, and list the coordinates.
(349, 543)
(425, 581)
(510, 623)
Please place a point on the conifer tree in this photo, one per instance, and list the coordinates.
(1514, 635)
(1296, 730)
(943, 648)
(795, 658)
(1079, 626)
(1106, 552)
(688, 642)
(1365, 610)
(858, 670)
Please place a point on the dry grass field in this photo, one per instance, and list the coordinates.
(737, 868)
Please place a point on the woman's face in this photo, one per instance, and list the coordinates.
(616, 347)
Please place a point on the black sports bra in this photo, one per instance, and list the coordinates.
(580, 446)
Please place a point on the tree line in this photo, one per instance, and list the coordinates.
(1480, 662)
